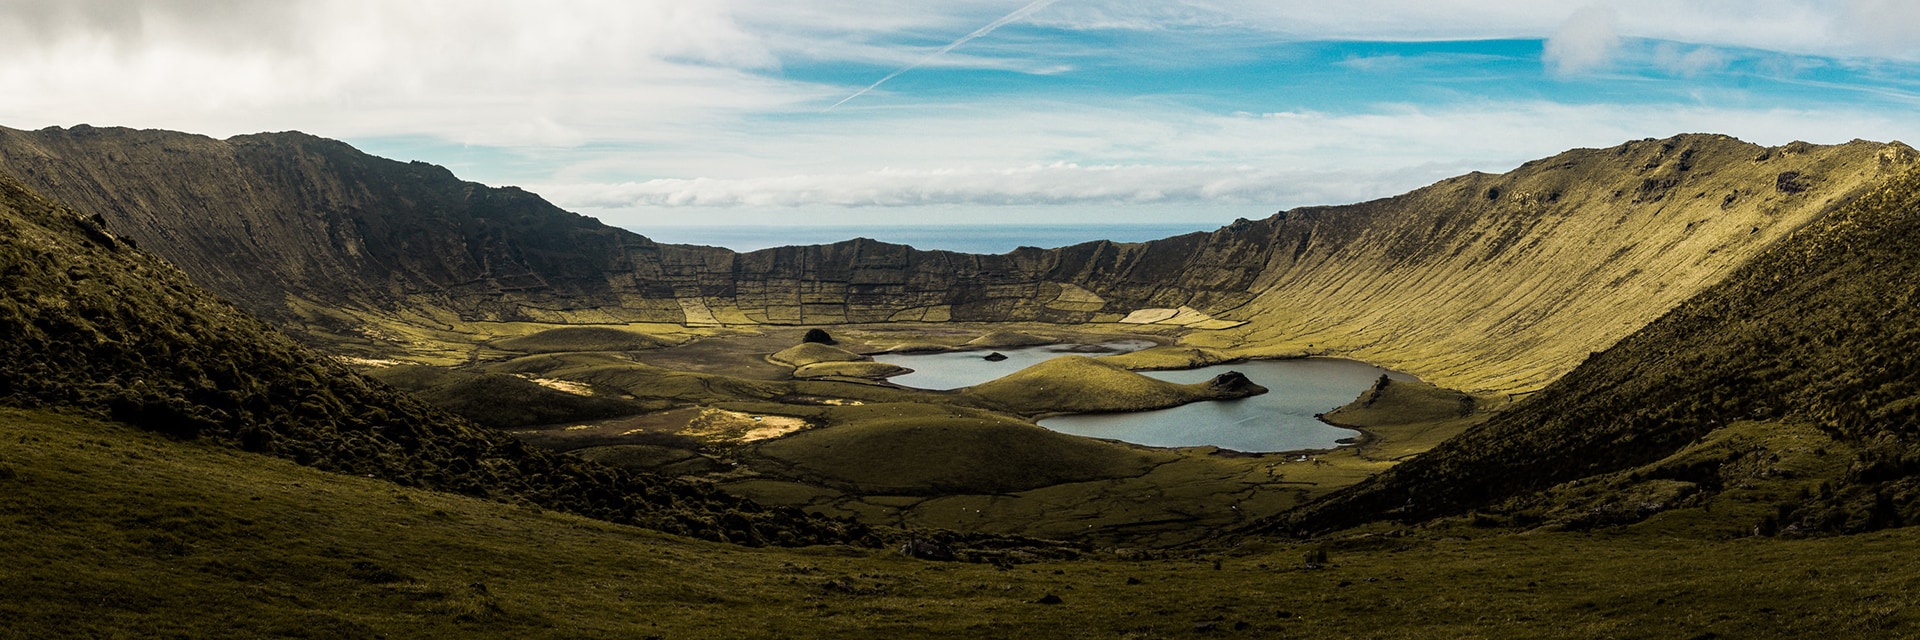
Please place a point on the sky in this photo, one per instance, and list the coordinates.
(898, 112)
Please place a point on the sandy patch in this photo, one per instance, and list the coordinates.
(721, 424)
(564, 386)
(369, 362)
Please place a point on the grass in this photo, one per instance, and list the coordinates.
(1400, 419)
(504, 401)
(872, 370)
(581, 339)
(807, 353)
(928, 450)
(112, 532)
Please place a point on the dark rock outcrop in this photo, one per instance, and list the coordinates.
(1234, 384)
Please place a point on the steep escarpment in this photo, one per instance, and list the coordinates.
(96, 326)
(1818, 331)
(1481, 282)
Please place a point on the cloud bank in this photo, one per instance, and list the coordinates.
(637, 107)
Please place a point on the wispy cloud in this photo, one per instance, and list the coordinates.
(1017, 14)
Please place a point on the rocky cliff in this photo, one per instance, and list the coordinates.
(1480, 282)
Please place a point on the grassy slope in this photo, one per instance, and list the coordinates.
(1505, 282)
(1817, 331)
(110, 531)
(98, 326)
(502, 401)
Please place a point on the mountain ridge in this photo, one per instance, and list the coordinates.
(1488, 283)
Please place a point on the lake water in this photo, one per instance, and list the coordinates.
(964, 238)
(956, 369)
(1280, 420)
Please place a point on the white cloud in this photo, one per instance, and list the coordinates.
(484, 71)
(1688, 61)
(1586, 42)
(1884, 27)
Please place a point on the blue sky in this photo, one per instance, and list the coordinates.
(648, 112)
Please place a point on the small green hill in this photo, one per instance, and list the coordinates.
(807, 353)
(566, 339)
(875, 370)
(1395, 402)
(950, 454)
(1079, 384)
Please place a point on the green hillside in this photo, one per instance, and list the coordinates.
(115, 532)
(100, 327)
(1817, 331)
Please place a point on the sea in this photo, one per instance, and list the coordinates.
(964, 238)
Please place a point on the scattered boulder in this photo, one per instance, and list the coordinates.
(1791, 182)
(925, 549)
(818, 336)
(995, 357)
(1049, 599)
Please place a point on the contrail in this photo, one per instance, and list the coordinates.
(1022, 12)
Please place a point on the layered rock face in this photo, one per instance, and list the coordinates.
(1480, 282)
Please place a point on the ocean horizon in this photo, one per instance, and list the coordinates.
(964, 238)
